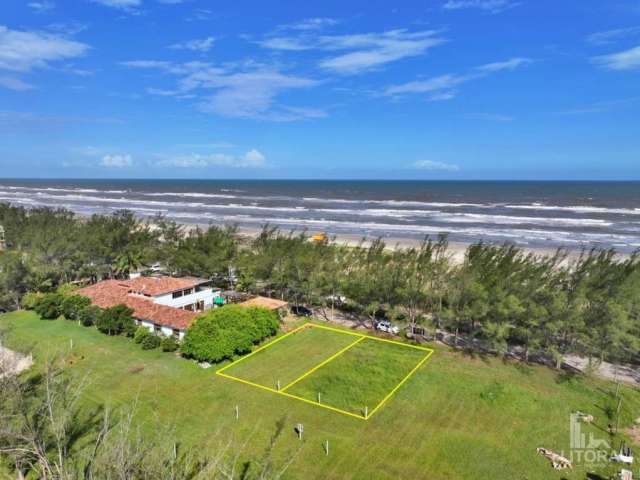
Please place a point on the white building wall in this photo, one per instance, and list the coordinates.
(166, 331)
(205, 295)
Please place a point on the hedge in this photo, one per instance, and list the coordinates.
(224, 332)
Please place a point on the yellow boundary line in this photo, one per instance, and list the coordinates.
(360, 336)
(323, 363)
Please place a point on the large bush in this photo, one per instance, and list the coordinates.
(49, 306)
(116, 320)
(169, 344)
(224, 332)
(72, 305)
(89, 315)
(151, 342)
(141, 333)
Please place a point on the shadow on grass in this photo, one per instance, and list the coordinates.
(473, 354)
(595, 476)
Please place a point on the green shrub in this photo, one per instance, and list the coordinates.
(151, 342)
(88, 316)
(141, 334)
(224, 332)
(72, 305)
(116, 320)
(48, 306)
(29, 300)
(169, 344)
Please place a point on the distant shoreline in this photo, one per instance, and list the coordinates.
(456, 250)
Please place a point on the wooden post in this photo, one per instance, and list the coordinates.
(319, 398)
(326, 447)
(71, 344)
(366, 411)
(237, 412)
(278, 385)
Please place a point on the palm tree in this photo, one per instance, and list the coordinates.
(127, 262)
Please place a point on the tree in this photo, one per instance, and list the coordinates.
(116, 320)
(72, 305)
(127, 262)
(221, 333)
(49, 306)
(14, 280)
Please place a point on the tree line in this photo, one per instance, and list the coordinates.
(500, 295)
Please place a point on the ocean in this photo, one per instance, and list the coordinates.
(529, 214)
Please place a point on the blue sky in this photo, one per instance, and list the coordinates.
(440, 89)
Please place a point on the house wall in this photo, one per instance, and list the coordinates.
(206, 295)
(166, 331)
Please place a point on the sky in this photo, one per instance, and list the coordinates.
(434, 89)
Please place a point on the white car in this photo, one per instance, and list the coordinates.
(385, 326)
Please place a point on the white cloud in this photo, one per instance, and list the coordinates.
(510, 64)
(626, 60)
(251, 159)
(121, 4)
(443, 87)
(443, 82)
(116, 161)
(198, 45)
(22, 51)
(435, 166)
(15, 84)
(240, 91)
(491, 6)
(365, 51)
(308, 24)
(41, 7)
(608, 37)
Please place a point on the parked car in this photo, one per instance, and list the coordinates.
(388, 327)
(301, 311)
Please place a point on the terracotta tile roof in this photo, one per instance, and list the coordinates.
(266, 302)
(160, 285)
(114, 292)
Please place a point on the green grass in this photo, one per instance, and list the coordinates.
(290, 357)
(360, 377)
(458, 417)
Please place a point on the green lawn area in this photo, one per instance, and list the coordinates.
(289, 358)
(360, 377)
(459, 417)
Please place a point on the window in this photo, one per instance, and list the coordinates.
(188, 291)
(176, 334)
(157, 329)
(177, 294)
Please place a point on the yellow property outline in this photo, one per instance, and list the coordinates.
(360, 336)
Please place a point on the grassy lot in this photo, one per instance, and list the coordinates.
(290, 357)
(360, 377)
(459, 417)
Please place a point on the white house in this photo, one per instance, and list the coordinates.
(165, 305)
